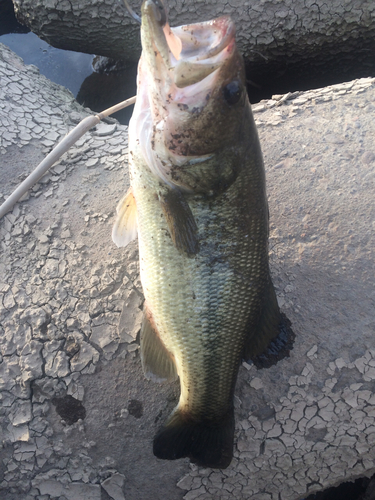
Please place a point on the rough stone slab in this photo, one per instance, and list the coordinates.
(114, 486)
(70, 311)
(288, 31)
(72, 491)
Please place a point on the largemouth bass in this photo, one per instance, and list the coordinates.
(198, 204)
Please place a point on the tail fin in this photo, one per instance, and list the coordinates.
(206, 443)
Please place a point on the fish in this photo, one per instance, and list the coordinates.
(198, 205)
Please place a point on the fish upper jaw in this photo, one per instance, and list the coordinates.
(198, 43)
(178, 60)
(204, 48)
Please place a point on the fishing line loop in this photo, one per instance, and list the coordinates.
(134, 15)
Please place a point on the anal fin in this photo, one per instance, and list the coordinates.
(180, 220)
(157, 362)
(125, 227)
(272, 338)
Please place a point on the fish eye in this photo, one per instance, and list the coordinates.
(232, 92)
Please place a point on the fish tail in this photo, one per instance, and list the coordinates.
(207, 443)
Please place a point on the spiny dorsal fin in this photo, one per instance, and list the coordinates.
(157, 362)
(181, 224)
(125, 227)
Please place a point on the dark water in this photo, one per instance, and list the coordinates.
(74, 70)
(8, 21)
(61, 66)
(361, 489)
(97, 90)
(102, 88)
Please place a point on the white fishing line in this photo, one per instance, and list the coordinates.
(59, 150)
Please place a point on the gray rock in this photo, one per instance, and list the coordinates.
(114, 486)
(269, 33)
(21, 413)
(17, 433)
(31, 361)
(72, 491)
(70, 311)
(86, 354)
(130, 318)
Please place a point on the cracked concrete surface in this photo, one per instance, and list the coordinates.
(77, 416)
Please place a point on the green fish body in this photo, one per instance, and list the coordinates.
(198, 199)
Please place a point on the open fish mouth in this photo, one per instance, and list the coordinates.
(184, 78)
(184, 55)
(202, 49)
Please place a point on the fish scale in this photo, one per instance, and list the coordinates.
(168, 289)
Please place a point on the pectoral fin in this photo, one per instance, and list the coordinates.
(181, 224)
(271, 339)
(157, 362)
(125, 227)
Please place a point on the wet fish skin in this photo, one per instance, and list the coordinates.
(203, 307)
(203, 246)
